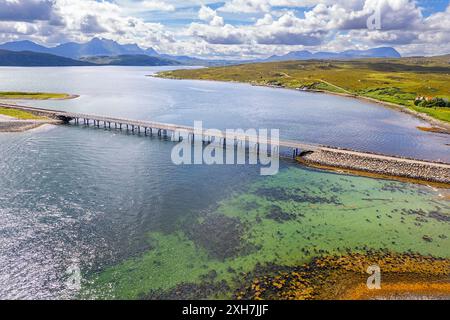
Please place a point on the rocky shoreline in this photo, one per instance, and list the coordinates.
(377, 164)
(404, 276)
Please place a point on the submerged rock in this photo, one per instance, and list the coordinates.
(189, 291)
(220, 235)
(277, 214)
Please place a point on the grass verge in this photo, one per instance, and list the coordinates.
(19, 114)
(33, 95)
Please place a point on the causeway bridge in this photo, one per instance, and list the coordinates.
(149, 127)
(309, 154)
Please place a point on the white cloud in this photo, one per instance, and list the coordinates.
(290, 30)
(25, 10)
(212, 34)
(271, 26)
(209, 15)
(252, 6)
(152, 5)
(139, 6)
(87, 18)
(17, 28)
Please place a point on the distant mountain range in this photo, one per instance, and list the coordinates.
(103, 47)
(108, 52)
(73, 50)
(383, 52)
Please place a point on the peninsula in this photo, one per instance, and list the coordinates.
(14, 120)
(19, 95)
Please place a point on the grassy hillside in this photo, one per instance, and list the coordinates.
(131, 60)
(33, 95)
(397, 81)
(19, 114)
(35, 59)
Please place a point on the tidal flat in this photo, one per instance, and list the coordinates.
(280, 222)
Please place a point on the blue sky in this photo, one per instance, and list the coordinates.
(234, 29)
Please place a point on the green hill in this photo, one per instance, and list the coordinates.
(130, 60)
(35, 59)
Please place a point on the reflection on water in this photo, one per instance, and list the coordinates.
(139, 226)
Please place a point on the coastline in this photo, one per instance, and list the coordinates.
(444, 126)
(404, 276)
(399, 174)
(354, 161)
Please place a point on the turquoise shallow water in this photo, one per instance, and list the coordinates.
(136, 225)
(284, 220)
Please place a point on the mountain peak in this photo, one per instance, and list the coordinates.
(24, 45)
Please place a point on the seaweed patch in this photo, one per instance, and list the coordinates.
(220, 235)
(296, 195)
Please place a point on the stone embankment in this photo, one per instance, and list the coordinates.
(378, 164)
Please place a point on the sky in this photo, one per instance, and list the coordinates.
(234, 29)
